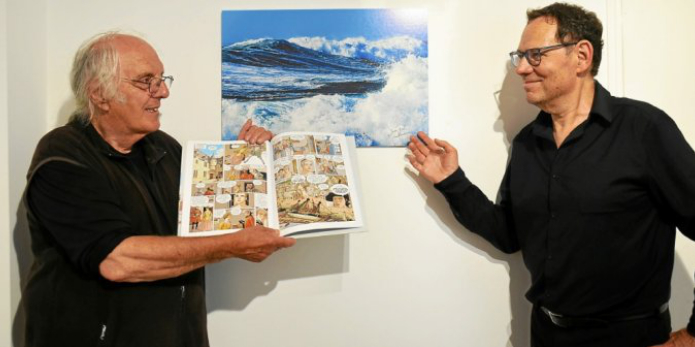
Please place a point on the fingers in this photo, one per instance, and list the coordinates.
(448, 148)
(422, 146)
(254, 134)
(244, 129)
(415, 163)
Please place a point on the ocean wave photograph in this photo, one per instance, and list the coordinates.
(358, 72)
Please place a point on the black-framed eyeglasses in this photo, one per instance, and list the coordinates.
(534, 55)
(152, 84)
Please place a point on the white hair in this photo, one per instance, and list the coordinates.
(95, 68)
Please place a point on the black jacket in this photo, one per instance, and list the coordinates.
(67, 302)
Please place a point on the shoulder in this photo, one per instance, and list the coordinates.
(64, 142)
(638, 113)
(164, 140)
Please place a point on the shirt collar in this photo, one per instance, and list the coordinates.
(600, 109)
(152, 152)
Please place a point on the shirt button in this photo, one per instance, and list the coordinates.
(553, 215)
(555, 177)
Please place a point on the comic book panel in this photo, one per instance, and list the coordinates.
(302, 144)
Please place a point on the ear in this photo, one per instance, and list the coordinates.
(97, 99)
(585, 55)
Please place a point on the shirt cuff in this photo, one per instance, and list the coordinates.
(457, 181)
(691, 327)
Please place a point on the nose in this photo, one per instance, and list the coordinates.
(524, 68)
(162, 92)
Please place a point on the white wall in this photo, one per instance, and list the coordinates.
(416, 277)
(6, 308)
(26, 120)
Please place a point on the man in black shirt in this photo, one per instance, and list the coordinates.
(102, 202)
(593, 193)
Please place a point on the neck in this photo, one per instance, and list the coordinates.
(120, 139)
(572, 110)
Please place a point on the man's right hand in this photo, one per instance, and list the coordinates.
(258, 242)
(434, 159)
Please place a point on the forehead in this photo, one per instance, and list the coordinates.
(538, 33)
(137, 57)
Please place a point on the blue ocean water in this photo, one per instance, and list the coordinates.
(375, 91)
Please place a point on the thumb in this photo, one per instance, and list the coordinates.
(285, 242)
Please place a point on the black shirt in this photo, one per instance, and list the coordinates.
(595, 219)
(83, 198)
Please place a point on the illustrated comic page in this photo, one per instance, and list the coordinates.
(227, 188)
(312, 181)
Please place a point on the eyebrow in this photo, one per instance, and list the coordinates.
(146, 75)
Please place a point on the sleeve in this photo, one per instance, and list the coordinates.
(671, 165)
(80, 211)
(477, 213)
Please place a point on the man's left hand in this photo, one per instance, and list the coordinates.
(254, 134)
(680, 338)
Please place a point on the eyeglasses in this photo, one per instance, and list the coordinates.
(152, 84)
(534, 55)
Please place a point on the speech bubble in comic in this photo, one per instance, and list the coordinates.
(199, 201)
(316, 179)
(218, 213)
(200, 185)
(298, 179)
(223, 198)
(260, 200)
(236, 210)
(226, 184)
(340, 189)
(323, 186)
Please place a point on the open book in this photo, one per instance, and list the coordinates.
(300, 183)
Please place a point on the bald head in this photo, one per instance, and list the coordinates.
(97, 68)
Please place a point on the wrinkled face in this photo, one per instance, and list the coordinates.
(557, 73)
(137, 111)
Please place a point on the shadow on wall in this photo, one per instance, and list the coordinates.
(65, 112)
(681, 302)
(515, 113)
(234, 284)
(22, 245)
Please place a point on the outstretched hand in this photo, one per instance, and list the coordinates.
(434, 159)
(254, 134)
(257, 243)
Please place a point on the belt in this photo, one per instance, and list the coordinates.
(577, 322)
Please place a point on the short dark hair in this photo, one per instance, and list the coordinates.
(574, 23)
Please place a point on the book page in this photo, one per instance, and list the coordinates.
(224, 187)
(313, 177)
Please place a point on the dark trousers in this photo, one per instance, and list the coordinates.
(633, 333)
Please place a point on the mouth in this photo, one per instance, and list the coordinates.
(152, 110)
(529, 84)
